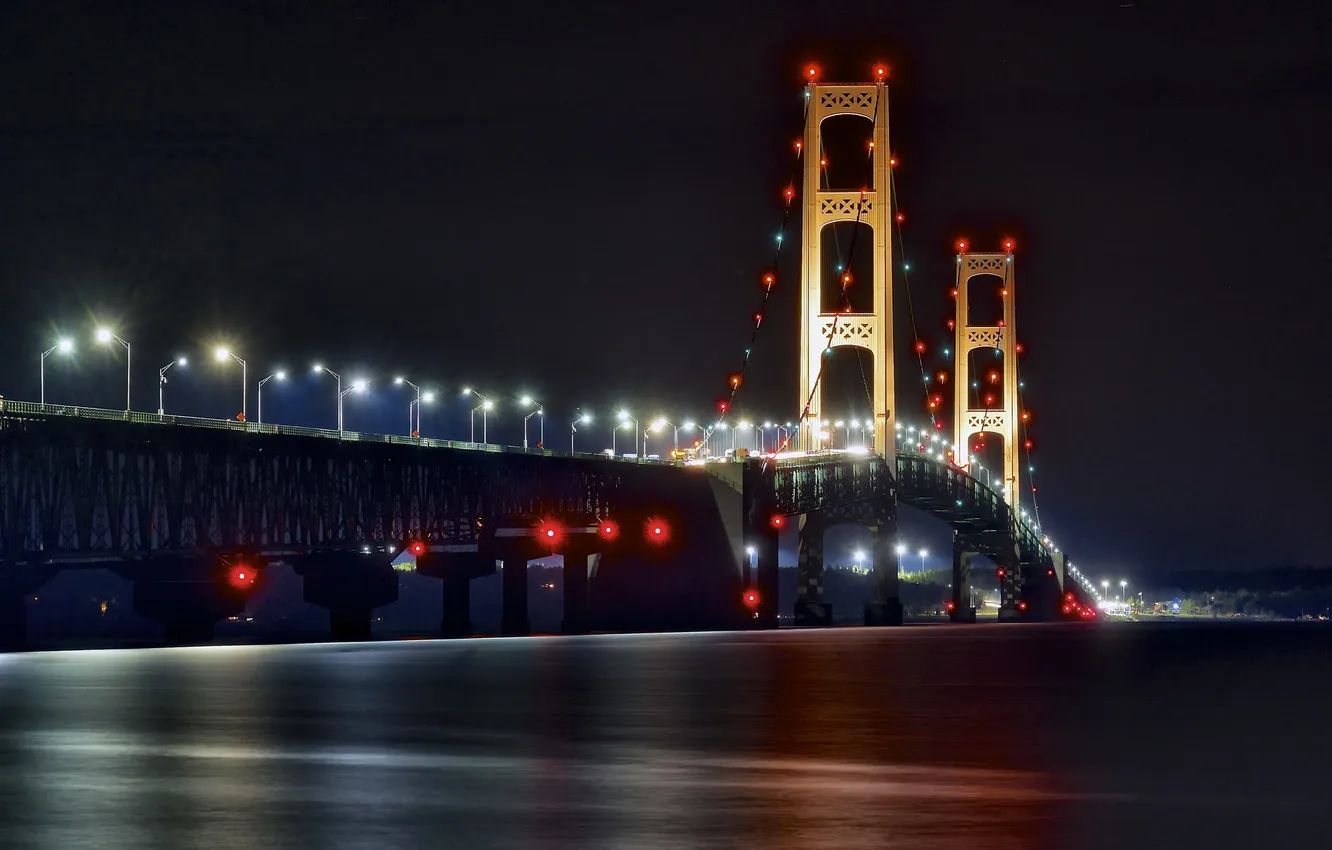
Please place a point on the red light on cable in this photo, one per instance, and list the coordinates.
(900, 218)
(789, 193)
(550, 533)
(608, 529)
(920, 346)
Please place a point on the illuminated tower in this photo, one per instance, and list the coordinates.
(1001, 417)
(872, 331)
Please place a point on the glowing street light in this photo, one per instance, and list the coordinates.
(356, 387)
(923, 553)
(859, 555)
(1105, 586)
(161, 382)
(528, 401)
(413, 426)
(104, 336)
(483, 405)
(625, 419)
(901, 550)
(222, 354)
(62, 346)
(583, 419)
(1122, 584)
(278, 375)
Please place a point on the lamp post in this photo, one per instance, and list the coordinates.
(354, 388)
(222, 354)
(859, 555)
(104, 336)
(625, 419)
(528, 401)
(1122, 584)
(63, 346)
(413, 426)
(901, 550)
(923, 553)
(161, 382)
(427, 397)
(1105, 586)
(279, 375)
(484, 406)
(317, 369)
(583, 418)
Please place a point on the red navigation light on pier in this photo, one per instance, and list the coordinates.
(550, 533)
(416, 547)
(608, 529)
(241, 576)
(777, 521)
(656, 531)
(751, 599)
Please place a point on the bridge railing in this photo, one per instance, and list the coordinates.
(15, 410)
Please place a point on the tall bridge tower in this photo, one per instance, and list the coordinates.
(820, 331)
(1000, 418)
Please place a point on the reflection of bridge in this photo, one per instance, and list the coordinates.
(189, 508)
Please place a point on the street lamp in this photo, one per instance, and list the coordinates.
(859, 555)
(161, 382)
(222, 354)
(583, 419)
(354, 388)
(1105, 586)
(901, 550)
(528, 401)
(1122, 584)
(662, 422)
(278, 375)
(317, 369)
(625, 419)
(413, 430)
(105, 336)
(484, 406)
(923, 553)
(63, 346)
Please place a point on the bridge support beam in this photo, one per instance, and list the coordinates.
(1011, 606)
(885, 605)
(810, 607)
(963, 611)
(350, 585)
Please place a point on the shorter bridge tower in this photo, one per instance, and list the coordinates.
(970, 420)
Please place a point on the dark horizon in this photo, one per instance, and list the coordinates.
(577, 203)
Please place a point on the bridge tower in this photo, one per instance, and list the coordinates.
(1001, 419)
(872, 331)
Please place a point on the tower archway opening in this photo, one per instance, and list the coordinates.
(848, 374)
(985, 303)
(847, 247)
(985, 451)
(987, 388)
(846, 150)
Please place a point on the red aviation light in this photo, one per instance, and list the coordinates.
(1022, 606)
(241, 576)
(1000, 572)
(789, 192)
(1068, 597)
(1008, 245)
(751, 599)
(961, 246)
(608, 529)
(811, 72)
(949, 606)
(880, 72)
(416, 547)
(901, 217)
(656, 531)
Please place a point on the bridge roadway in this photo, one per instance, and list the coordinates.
(192, 511)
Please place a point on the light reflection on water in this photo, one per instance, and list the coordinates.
(931, 737)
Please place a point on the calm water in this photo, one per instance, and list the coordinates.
(987, 736)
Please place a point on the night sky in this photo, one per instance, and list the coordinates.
(577, 202)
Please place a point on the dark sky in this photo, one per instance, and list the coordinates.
(577, 200)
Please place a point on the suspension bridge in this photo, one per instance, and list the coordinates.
(196, 511)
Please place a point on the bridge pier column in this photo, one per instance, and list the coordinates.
(810, 607)
(455, 567)
(456, 620)
(188, 596)
(885, 605)
(963, 611)
(350, 585)
(13, 621)
(578, 568)
(1011, 606)
(513, 619)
